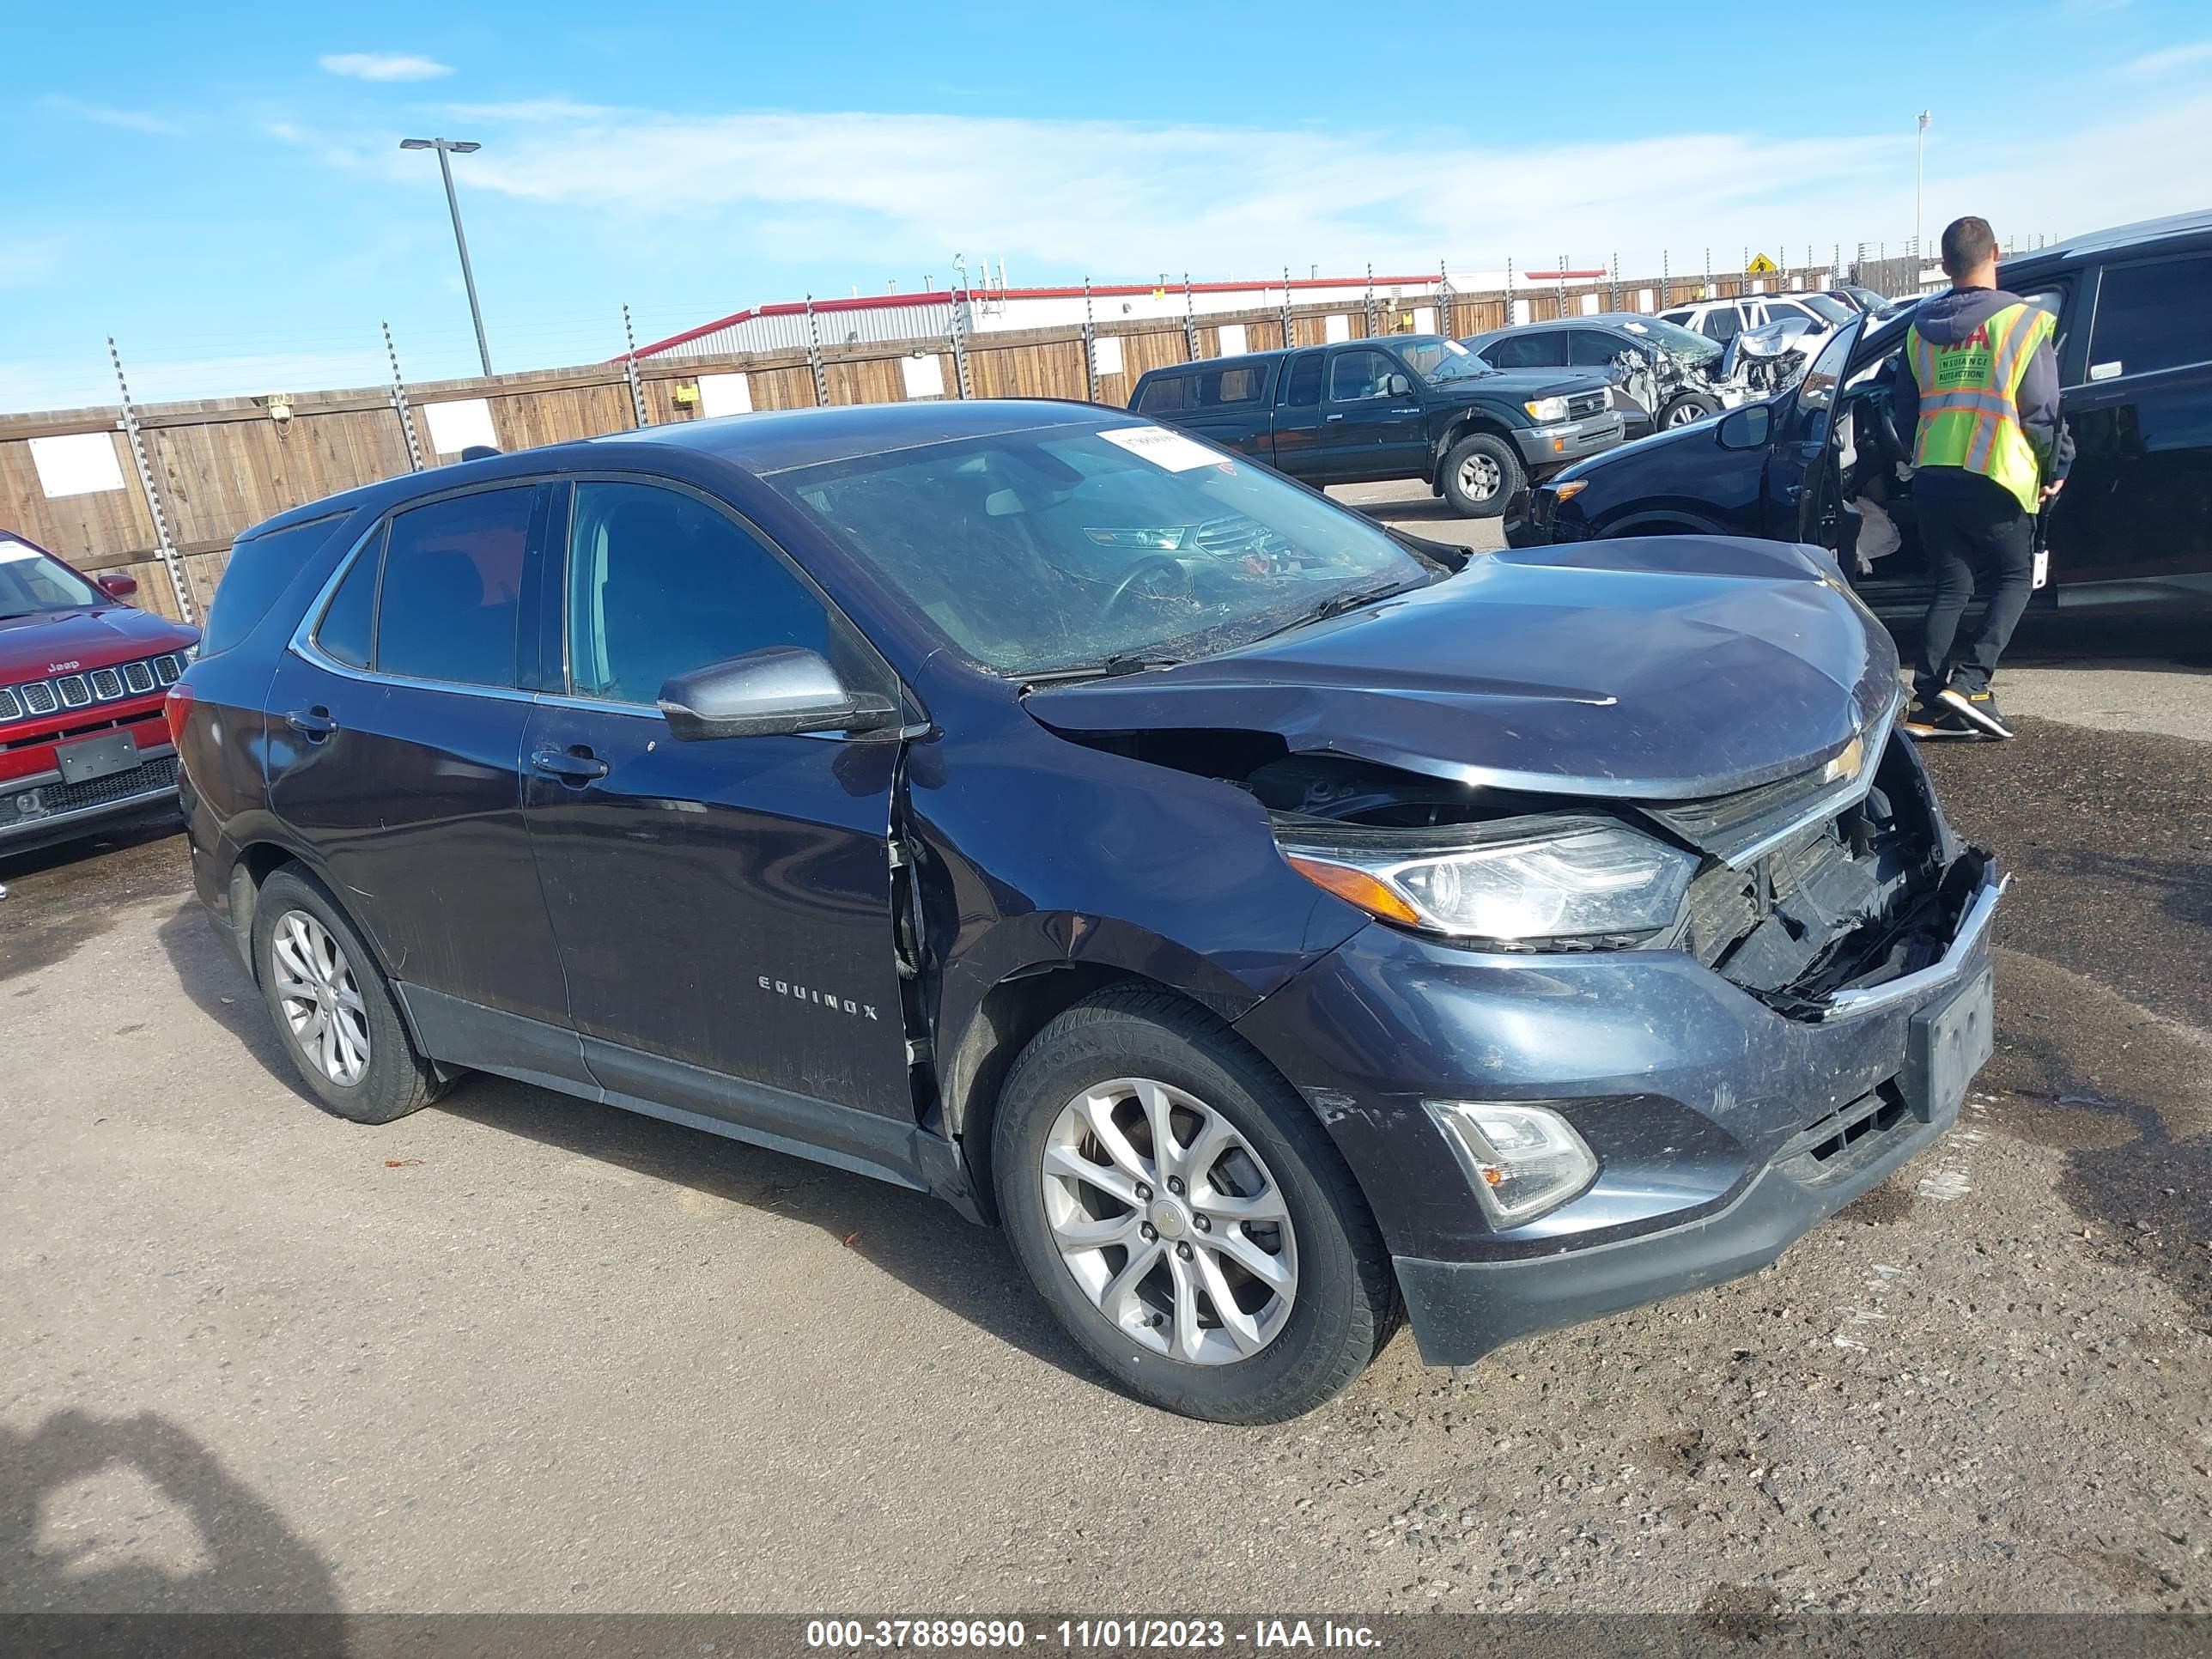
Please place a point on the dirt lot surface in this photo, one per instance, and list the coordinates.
(519, 1353)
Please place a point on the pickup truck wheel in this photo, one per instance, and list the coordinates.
(1184, 1214)
(1482, 475)
(1690, 406)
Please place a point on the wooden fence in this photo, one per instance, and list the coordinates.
(221, 465)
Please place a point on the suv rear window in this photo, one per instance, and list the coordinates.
(453, 586)
(2151, 317)
(259, 569)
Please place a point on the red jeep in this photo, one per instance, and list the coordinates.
(82, 676)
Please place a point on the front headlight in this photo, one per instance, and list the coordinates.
(1517, 884)
(1546, 410)
(1521, 1160)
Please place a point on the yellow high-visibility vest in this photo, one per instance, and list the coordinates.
(1969, 415)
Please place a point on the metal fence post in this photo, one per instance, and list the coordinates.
(957, 328)
(1563, 285)
(399, 405)
(1371, 330)
(171, 561)
(1288, 341)
(1613, 285)
(814, 356)
(1666, 280)
(1447, 324)
(629, 371)
(1089, 342)
(1189, 321)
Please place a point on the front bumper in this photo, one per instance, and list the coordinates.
(1547, 448)
(1724, 1129)
(43, 809)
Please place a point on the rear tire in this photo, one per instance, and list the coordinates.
(1140, 1282)
(1482, 475)
(333, 1008)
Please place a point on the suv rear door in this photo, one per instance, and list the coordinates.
(723, 908)
(2137, 508)
(396, 731)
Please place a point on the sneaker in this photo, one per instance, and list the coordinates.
(1921, 722)
(1979, 707)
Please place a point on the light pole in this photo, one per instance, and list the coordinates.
(1919, 145)
(448, 147)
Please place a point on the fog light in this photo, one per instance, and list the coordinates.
(1521, 1160)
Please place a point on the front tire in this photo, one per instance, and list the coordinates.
(1482, 475)
(1184, 1214)
(333, 1008)
(1689, 407)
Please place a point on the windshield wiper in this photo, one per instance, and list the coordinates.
(1121, 662)
(1336, 604)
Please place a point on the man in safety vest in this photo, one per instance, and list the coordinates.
(1980, 396)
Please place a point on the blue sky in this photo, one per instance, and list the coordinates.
(220, 186)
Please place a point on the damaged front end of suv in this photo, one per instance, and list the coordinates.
(1667, 950)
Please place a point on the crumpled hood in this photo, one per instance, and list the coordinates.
(1650, 668)
(32, 646)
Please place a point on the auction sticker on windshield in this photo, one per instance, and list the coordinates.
(1162, 448)
(15, 552)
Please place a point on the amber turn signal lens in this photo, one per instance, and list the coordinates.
(1355, 887)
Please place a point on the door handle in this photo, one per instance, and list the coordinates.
(314, 724)
(578, 766)
(1333, 417)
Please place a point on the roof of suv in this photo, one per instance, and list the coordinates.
(2144, 233)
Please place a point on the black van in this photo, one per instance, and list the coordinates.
(2131, 533)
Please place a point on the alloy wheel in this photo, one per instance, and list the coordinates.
(1479, 476)
(321, 1003)
(1171, 1221)
(1684, 414)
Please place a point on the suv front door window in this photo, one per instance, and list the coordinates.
(767, 854)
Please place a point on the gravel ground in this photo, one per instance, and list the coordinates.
(517, 1352)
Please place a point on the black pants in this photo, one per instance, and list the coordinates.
(1977, 537)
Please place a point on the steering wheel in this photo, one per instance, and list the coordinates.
(1143, 581)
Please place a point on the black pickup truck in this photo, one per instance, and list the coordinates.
(1399, 406)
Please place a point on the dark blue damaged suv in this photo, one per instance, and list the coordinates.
(1281, 927)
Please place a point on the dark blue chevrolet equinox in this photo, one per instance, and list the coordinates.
(1279, 925)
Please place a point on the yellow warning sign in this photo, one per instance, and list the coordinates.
(1760, 266)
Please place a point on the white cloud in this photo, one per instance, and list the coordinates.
(2172, 60)
(1058, 199)
(384, 66)
(129, 120)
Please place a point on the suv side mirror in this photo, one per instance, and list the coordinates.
(778, 692)
(116, 585)
(1398, 386)
(1746, 428)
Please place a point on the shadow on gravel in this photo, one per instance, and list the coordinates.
(219, 986)
(60, 896)
(132, 1515)
(917, 1240)
(2103, 1005)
